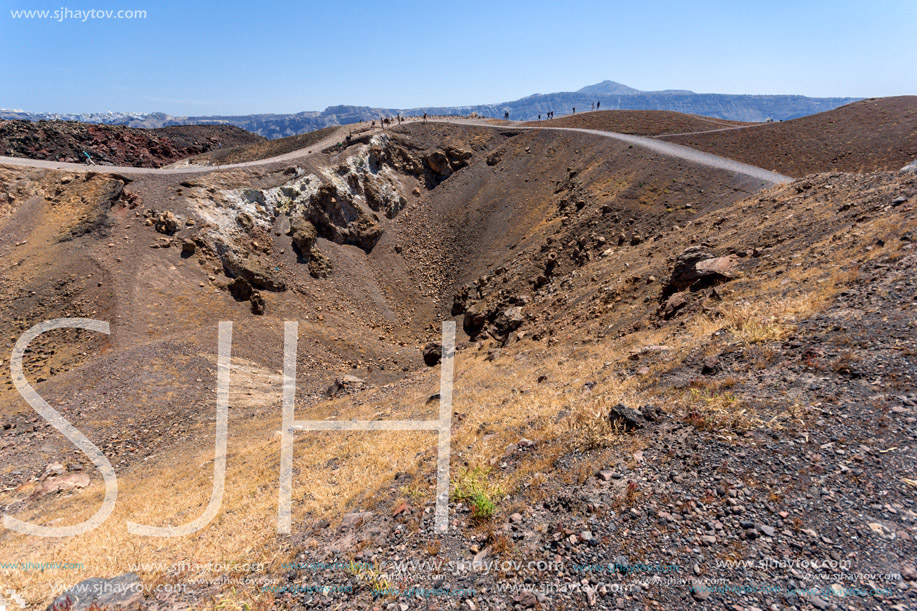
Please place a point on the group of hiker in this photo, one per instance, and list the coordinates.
(595, 106)
(550, 114)
(383, 121)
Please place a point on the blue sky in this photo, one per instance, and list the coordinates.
(233, 57)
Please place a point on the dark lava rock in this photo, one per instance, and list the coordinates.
(696, 268)
(432, 353)
(626, 417)
(240, 289)
(257, 304)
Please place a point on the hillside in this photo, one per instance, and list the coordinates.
(613, 96)
(639, 122)
(115, 145)
(875, 134)
(267, 148)
(666, 376)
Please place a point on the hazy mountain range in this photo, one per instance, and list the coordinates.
(612, 95)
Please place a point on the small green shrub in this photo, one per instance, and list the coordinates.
(473, 487)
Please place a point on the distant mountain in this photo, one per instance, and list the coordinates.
(608, 88)
(611, 88)
(610, 94)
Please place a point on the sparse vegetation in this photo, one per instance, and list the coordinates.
(474, 487)
(711, 410)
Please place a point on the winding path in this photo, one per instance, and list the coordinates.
(662, 147)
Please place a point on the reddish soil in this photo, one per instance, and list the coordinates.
(874, 134)
(640, 122)
(116, 144)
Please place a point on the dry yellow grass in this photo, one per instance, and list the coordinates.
(496, 404)
(332, 470)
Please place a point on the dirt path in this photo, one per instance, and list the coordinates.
(190, 169)
(658, 146)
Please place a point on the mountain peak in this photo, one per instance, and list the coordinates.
(609, 88)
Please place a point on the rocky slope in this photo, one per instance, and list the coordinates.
(115, 145)
(672, 390)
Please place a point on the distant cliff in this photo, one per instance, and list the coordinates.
(611, 95)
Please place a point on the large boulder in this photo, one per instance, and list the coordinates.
(432, 353)
(258, 272)
(697, 268)
(474, 320)
(718, 266)
(508, 321)
(304, 235)
(626, 417)
(257, 304)
(438, 163)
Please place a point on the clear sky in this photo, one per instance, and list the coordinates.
(240, 57)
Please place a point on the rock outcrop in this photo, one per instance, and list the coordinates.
(697, 268)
